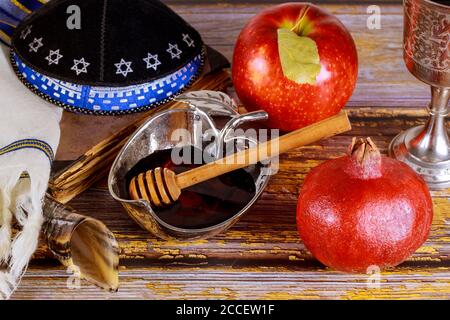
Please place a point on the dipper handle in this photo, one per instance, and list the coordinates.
(326, 128)
(162, 186)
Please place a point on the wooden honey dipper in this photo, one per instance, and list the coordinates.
(163, 187)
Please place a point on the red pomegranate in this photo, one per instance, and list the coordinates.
(363, 210)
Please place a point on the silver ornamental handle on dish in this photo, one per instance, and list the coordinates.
(216, 104)
(84, 242)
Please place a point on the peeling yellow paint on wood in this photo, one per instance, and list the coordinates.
(428, 249)
(197, 256)
(219, 293)
(439, 291)
(289, 295)
(164, 289)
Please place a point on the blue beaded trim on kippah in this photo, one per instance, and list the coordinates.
(108, 100)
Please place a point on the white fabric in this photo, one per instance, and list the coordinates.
(23, 115)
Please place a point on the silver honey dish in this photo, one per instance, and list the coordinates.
(427, 56)
(207, 113)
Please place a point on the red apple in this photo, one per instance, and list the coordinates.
(311, 81)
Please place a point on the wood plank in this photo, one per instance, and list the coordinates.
(267, 234)
(262, 257)
(248, 283)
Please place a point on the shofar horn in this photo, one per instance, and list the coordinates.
(81, 241)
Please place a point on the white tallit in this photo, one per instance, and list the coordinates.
(29, 135)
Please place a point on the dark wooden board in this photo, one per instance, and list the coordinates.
(262, 257)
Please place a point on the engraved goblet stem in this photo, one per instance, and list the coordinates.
(432, 144)
(426, 148)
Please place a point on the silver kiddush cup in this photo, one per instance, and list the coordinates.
(427, 56)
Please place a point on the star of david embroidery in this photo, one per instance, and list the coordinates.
(36, 44)
(174, 51)
(53, 57)
(187, 38)
(76, 66)
(25, 32)
(126, 64)
(152, 61)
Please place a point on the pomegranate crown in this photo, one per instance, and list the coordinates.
(366, 158)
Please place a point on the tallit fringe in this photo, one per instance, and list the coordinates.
(21, 198)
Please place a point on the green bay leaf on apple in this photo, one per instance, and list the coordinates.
(299, 57)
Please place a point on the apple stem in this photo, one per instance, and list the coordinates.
(299, 26)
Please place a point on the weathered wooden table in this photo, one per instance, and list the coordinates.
(262, 257)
